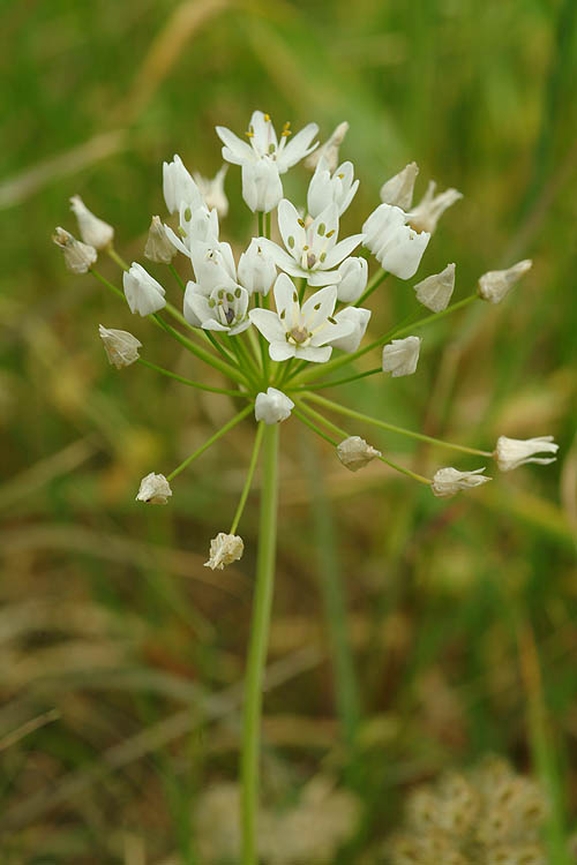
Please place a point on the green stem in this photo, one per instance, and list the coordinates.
(377, 279)
(177, 276)
(189, 381)
(214, 361)
(257, 651)
(341, 409)
(340, 381)
(214, 438)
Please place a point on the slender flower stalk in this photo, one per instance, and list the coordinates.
(258, 644)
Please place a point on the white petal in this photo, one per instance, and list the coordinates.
(359, 318)
(401, 356)
(297, 147)
(319, 306)
(435, 291)
(273, 406)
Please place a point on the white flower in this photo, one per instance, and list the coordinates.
(197, 224)
(329, 151)
(224, 309)
(295, 332)
(449, 481)
(512, 453)
(143, 293)
(178, 186)
(311, 250)
(359, 318)
(212, 190)
(256, 268)
(224, 550)
(273, 406)
(398, 190)
(435, 291)
(214, 269)
(426, 214)
(325, 188)
(400, 357)
(120, 346)
(93, 231)
(353, 274)
(494, 285)
(78, 257)
(154, 489)
(158, 247)
(355, 453)
(397, 247)
(263, 158)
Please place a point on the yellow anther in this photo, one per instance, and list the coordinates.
(286, 130)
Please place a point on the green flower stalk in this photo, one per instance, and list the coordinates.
(282, 323)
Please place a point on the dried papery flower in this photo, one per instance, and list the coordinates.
(158, 247)
(355, 453)
(121, 347)
(212, 190)
(435, 291)
(93, 231)
(78, 257)
(224, 550)
(154, 490)
(398, 190)
(401, 356)
(512, 453)
(449, 481)
(496, 284)
(426, 214)
(329, 151)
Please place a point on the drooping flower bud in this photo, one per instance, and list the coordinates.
(494, 285)
(224, 550)
(449, 481)
(158, 247)
(143, 293)
(93, 231)
(273, 406)
(397, 247)
(400, 357)
(78, 257)
(121, 347)
(398, 190)
(512, 453)
(435, 291)
(355, 453)
(354, 272)
(329, 151)
(154, 490)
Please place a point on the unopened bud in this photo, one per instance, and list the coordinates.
(158, 247)
(494, 285)
(435, 291)
(120, 346)
(78, 257)
(93, 230)
(355, 453)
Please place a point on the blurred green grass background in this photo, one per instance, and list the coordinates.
(462, 615)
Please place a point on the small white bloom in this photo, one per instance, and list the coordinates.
(353, 274)
(223, 310)
(212, 190)
(355, 453)
(337, 188)
(143, 293)
(197, 224)
(397, 247)
(494, 285)
(329, 151)
(401, 356)
(311, 251)
(78, 257)
(512, 453)
(214, 269)
(425, 216)
(263, 158)
(121, 347)
(273, 406)
(359, 318)
(178, 186)
(158, 247)
(304, 332)
(435, 291)
(224, 550)
(449, 481)
(398, 190)
(256, 268)
(154, 489)
(93, 231)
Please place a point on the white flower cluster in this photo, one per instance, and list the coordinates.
(281, 305)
